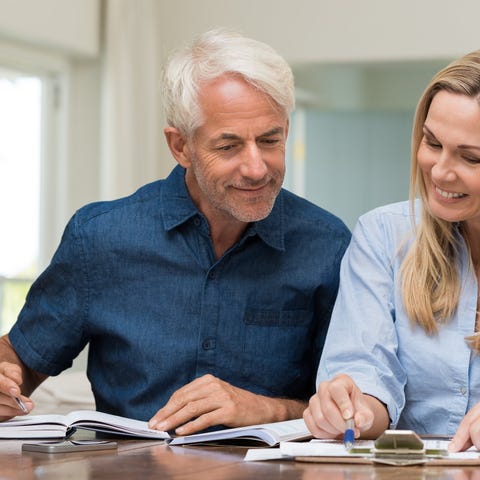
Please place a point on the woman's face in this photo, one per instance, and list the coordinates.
(449, 157)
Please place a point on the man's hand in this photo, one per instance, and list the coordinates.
(13, 375)
(468, 432)
(10, 381)
(209, 401)
(339, 400)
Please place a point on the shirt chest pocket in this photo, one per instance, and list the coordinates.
(278, 334)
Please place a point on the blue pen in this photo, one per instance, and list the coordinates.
(349, 436)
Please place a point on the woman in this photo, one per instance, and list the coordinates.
(402, 348)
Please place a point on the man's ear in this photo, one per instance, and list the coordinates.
(178, 144)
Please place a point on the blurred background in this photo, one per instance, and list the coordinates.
(80, 115)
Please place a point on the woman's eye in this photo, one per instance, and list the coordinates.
(432, 144)
(472, 160)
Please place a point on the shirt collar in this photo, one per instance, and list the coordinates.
(178, 207)
(271, 229)
(176, 203)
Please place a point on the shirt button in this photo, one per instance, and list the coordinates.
(463, 390)
(208, 343)
(196, 221)
(211, 275)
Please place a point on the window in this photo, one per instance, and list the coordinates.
(33, 126)
(20, 154)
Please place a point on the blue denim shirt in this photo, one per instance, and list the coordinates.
(138, 280)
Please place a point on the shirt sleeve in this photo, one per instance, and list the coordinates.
(362, 340)
(49, 332)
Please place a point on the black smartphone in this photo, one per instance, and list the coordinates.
(68, 446)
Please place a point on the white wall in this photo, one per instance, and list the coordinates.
(71, 25)
(335, 30)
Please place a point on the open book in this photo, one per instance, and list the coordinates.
(266, 434)
(59, 426)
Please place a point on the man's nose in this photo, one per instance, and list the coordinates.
(253, 164)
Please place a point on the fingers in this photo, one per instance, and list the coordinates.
(340, 390)
(11, 406)
(10, 378)
(330, 407)
(317, 422)
(12, 402)
(196, 424)
(209, 401)
(335, 402)
(468, 432)
(195, 414)
(196, 406)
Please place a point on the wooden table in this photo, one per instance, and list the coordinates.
(142, 460)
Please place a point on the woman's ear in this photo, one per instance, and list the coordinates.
(178, 144)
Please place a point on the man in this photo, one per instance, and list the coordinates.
(207, 294)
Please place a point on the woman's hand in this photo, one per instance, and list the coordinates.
(468, 432)
(339, 400)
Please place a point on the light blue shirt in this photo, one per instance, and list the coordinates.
(427, 382)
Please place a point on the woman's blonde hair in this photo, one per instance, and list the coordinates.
(430, 281)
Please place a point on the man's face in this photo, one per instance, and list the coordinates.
(237, 157)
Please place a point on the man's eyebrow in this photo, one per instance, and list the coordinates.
(273, 131)
(227, 136)
(232, 136)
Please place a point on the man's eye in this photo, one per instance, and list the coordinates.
(270, 141)
(225, 148)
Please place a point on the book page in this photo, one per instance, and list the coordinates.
(28, 425)
(269, 433)
(34, 426)
(100, 421)
(35, 420)
(289, 429)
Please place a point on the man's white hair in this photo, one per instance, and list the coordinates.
(212, 55)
